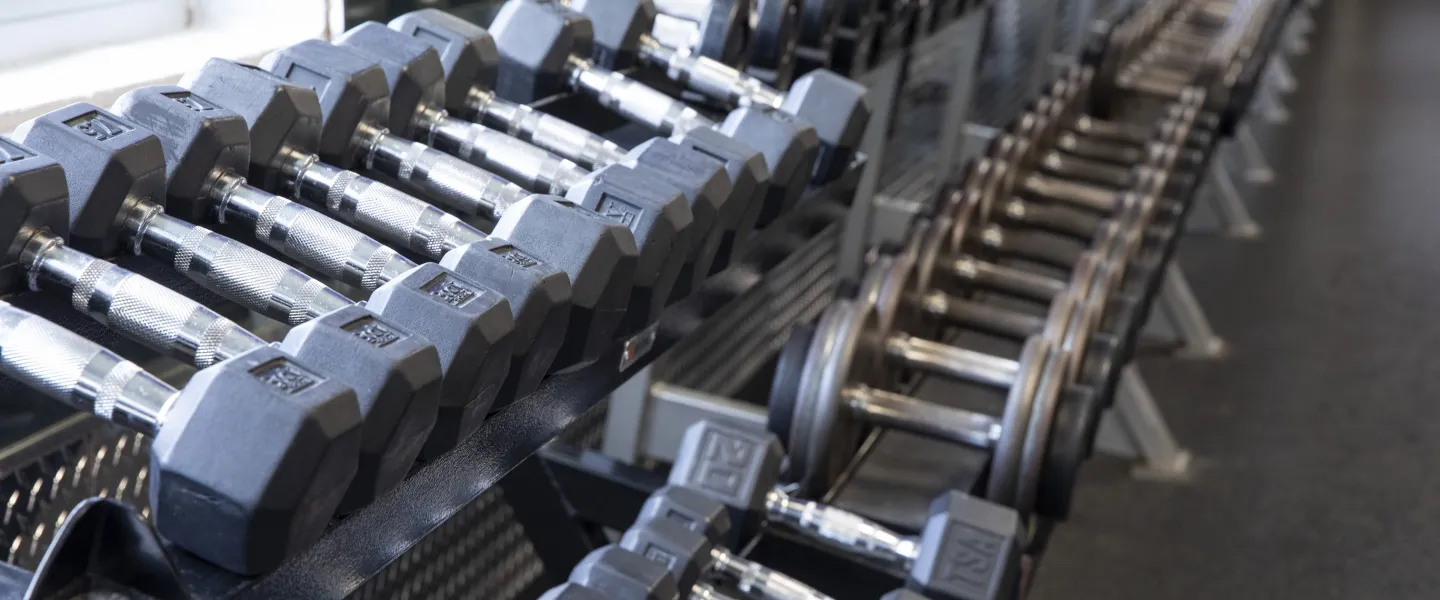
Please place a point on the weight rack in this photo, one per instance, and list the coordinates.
(480, 498)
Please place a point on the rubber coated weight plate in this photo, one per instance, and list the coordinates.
(785, 385)
(839, 355)
(1037, 432)
(1019, 402)
(774, 34)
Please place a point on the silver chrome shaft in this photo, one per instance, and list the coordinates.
(134, 306)
(709, 77)
(516, 160)
(306, 235)
(898, 411)
(376, 208)
(636, 101)
(951, 361)
(842, 529)
(241, 273)
(452, 182)
(80, 373)
(566, 139)
(760, 581)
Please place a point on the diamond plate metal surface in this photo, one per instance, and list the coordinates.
(36, 496)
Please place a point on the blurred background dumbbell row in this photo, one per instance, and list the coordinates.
(615, 293)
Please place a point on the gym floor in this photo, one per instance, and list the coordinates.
(1317, 438)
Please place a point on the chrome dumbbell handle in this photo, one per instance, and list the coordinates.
(134, 306)
(516, 160)
(383, 211)
(566, 139)
(636, 101)
(306, 235)
(80, 373)
(842, 529)
(759, 581)
(243, 274)
(454, 183)
(709, 77)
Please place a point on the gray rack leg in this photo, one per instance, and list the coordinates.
(1187, 317)
(1257, 167)
(1280, 75)
(1227, 204)
(1270, 106)
(1135, 429)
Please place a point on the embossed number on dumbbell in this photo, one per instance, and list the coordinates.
(450, 291)
(98, 125)
(969, 556)
(374, 332)
(285, 376)
(724, 457)
(190, 101)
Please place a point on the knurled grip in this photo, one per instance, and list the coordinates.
(156, 316)
(532, 167)
(566, 139)
(711, 77)
(760, 581)
(253, 279)
(452, 182)
(842, 529)
(638, 102)
(328, 246)
(397, 217)
(71, 369)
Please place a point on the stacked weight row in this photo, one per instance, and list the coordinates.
(332, 174)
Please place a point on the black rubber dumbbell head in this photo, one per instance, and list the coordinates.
(111, 162)
(467, 52)
(33, 198)
(598, 254)
(749, 177)
(689, 508)
(412, 68)
(734, 466)
(658, 216)
(397, 381)
(280, 115)
(475, 337)
(969, 548)
(903, 594)
(790, 148)
(685, 553)
(618, 573)
(706, 188)
(837, 108)
(617, 26)
(353, 93)
(252, 460)
(571, 591)
(535, 40)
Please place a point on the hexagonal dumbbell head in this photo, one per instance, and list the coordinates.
(705, 186)
(618, 573)
(836, 106)
(969, 549)
(476, 339)
(412, 68)
(33, 197)
(749, 178)
(110, 162)
(466, 51)
(902, 594)
(618, 26)
(790, 148)
(685, 553)
(353, 91)
(280, 115)
(397, 380)
(536, 41)
(200, 141)
(660, 219)
(571, 591)
(690, 508)
(597, 253)
(252, 460)
(732, 465)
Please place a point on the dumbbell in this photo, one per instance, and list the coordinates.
(619, 574)
(855, 37)
(116, 173)
(354, 100)
(545, 50)
(835, 105)
(395, 375)
(417, 85)
(571, 591)
(740, 468)
(248, 462)
(682, 539)
(470, 60)
(530, 247)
